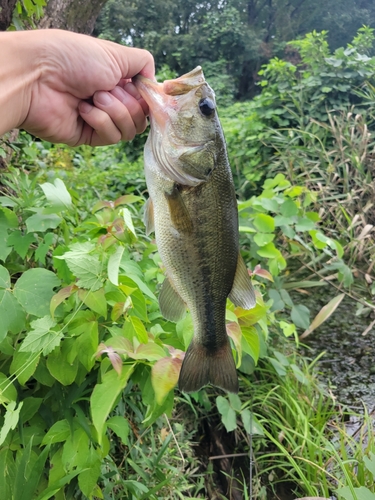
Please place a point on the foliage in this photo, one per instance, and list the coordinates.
(241, 35)
(25, 14)
(84, 343)
(316, 446)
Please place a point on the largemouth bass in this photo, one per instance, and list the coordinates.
(193, 210)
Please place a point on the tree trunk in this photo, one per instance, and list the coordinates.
(71, 15)
(6, 13)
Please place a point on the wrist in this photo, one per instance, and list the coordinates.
(19, 72)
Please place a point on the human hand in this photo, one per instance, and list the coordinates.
(74, 69)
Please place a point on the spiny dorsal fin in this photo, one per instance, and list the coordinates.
(242, 293)
(148, 217)
(171, 305)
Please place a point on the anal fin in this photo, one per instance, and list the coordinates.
(242, 293)
(148, 217)
(171, 305)
(202, 366)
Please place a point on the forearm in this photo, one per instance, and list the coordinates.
(19, 72)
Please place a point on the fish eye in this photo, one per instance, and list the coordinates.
(207, 106)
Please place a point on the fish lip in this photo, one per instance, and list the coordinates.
(178, 86)
(149, 89)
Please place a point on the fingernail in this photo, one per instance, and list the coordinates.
(120, 94)
(103, 98)
(85, 107)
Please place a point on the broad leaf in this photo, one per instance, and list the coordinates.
(34, 290)
(228, 415)
(114, 265)
(11, 418)
(105, 395)
(57, 195)
(119, 425)
(300, 315)
(42, 337)
(164, 377)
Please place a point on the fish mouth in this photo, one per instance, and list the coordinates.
(178, 86)
(161, 97)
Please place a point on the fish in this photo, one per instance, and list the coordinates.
(192, 209)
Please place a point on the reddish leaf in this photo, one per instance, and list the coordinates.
(127, 198)
(164, 376)
(234, 332)
(102, 204)
(61, 295)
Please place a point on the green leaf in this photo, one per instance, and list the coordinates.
(269, 204)
(86, 267)
(139, 329)
(287, 328)
(96, 301)
(262, 239)
(42, 337)
(288, 208)
(251, 423)
(4, 278)
(105, 395)
(34, 290)
(12, 315)
(119, 425)
(300, 315)
(8, 467)
(43, 248)
(250, 342)
(305, 224)
(41, 222)
(86, 345)
(264, 223)
(150, 351)
(75, 450)
(323, 314)
(20, 242)
(57, 195)
(11, 418)
(23, 365)
(114, 265)
(370, 463)
(59, 364)
(88, 477)
(269, 251)
(7, 390)
(8, 220)
(228, 415)
(362, 493)
(164, 377)
(125, 212)
(58, 433)
(185, 330)
(235, 401)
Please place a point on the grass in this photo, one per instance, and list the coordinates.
(308, 440)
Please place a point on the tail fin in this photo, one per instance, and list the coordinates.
(202, 366)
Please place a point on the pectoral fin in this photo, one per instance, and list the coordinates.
(148, 217)
(180, 216)
(242, 293)
(171, 305)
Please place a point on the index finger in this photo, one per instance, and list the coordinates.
(134, 61)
